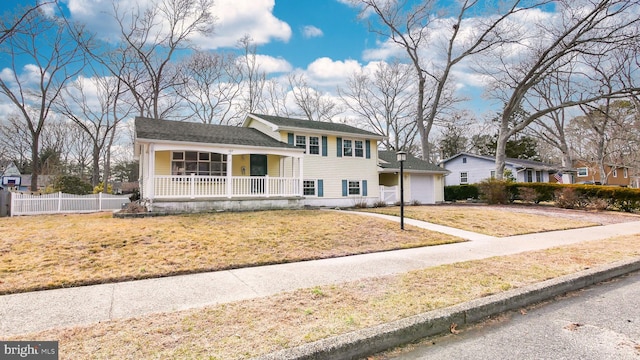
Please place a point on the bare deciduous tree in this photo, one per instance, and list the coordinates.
(149, 41)
(311, 103)
(96, 106)
(412, 30)
(386, 101)
(586, 33)
(211, 87)
(34, 88)
(252, 77)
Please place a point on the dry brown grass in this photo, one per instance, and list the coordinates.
(484, 220)
(249, 328)
(43, 252)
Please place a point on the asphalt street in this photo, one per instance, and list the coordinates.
(596, 323)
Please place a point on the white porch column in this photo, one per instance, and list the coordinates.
(229, 173)
(301, 175)
(151, 165)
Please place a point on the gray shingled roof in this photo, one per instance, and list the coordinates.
(412, 162)
(314, 125)
(153, 129)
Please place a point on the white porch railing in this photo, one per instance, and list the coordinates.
(194, 186)
(26, 204)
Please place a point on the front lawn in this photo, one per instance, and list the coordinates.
(485, 220)
(41, 252)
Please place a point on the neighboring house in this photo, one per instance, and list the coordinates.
(9, 175)
(423, 181)
(468, 168)
(589, 172)
(43, 182)
(269, 162)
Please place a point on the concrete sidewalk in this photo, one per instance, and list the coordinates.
(36, 311)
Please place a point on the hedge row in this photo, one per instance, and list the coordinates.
(564, 195)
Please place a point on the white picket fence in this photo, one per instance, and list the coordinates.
(388, 194)
(56, 203)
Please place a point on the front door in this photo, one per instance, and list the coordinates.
(258, 167)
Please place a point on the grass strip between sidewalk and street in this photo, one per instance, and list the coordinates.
(249, 328)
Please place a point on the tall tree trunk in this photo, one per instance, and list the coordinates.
(107, 162)
(35, 161)
(95, 172)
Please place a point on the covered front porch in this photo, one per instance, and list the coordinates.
(202, 172)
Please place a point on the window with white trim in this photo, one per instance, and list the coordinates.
(625, 173)
(359, 149)
(311, 144)
(615, 173)
(493, 174)
(309, 187)
(354, 188)
(583, 172)
(314, 145)
(352, 148)
(347, 147)
(529, 176)
(538, 176)
(464, 178)
(198, 163)
(301, 141)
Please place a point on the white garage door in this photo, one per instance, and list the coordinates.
(422, 189)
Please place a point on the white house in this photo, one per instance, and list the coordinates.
(468, 168)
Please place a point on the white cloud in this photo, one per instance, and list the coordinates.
(325, 71)
(270, 64)
(7, 75)
(310, 31)
(234, 20)
(237, 18)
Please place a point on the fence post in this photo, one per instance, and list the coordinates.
(100, 201)
(11, 207)
(59, 200)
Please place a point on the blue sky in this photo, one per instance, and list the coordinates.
(341, 35)
(322, 39)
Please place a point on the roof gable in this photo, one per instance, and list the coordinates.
(283, 123)
(180, 131)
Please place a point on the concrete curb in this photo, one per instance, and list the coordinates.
(361, 343)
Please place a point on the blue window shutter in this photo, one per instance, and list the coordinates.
(364, 187)
(339, 148)
(345, 189)
(290, 138)
(320, 188)
(324, 146)
(368, 148)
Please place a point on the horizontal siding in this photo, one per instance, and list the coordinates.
(238, 163)
(163, 163)
(334, 169)
(263, 128)
(477, 170)
(273, 165)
